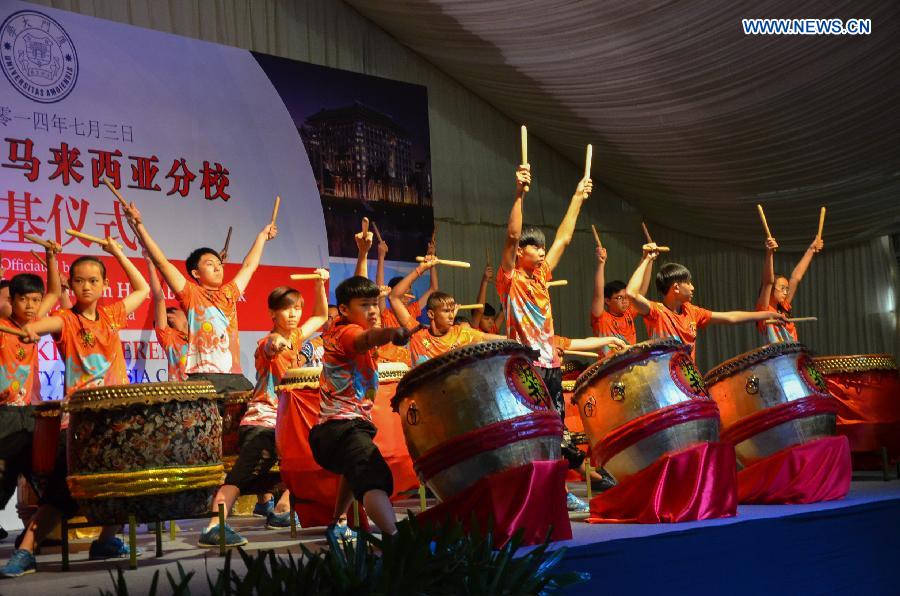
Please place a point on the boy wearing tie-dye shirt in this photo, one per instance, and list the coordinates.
(275, 355)
(87, 337)
(213, 352)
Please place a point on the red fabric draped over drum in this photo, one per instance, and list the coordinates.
(692, 484)
(315, 489)
(868, 410)
(531, 498)
(816, 471)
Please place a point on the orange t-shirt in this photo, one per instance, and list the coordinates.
(609, 325)
(175, 345)
(778, 332)
(349, 379)
(425, 346)
(662, 323)
(213, 345)
(263, 406)
(389, 319)
(92, 350)
(20, 384)
(529, 315)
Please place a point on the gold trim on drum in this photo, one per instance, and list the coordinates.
(237, 397)
(856, 363)
(112, 396)
(748, 359)
(308, 377)
(155, 481)
(47, 409)
(568, 386)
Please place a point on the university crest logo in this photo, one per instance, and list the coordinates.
(37, 56)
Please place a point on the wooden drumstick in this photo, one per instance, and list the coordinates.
(579, 353)
(365, 227)
(469, 306)
(524, 145)
(448, 263)
(87, 237)
(821, 223)
(38, 258)
(36, 240)
(795, 320)
(377, 233)
(13, 331)
(305, 276)
(762, 216)
(557, 282)
(646, 233)
(115, 191)
(596, 236)
(589, 156)
(275, 209)
(224, 253)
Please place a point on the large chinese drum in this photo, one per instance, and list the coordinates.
(152, 450)
(867, 390)
(771, 398)
(234, 406)
(643, 403)
(475, 411)
(45, 442)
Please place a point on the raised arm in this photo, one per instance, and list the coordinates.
(486, 277)
(403, 286)
(597, 303)
(54, 284)
(156, 292)
(378, 336)
(320, 309)
(567, 227)
(514, 224)
(169, 272)
(633, 289)
(379, 271)
(768, 275)
(648, 273)
(433, 286)
(800, 270)
(139, 287)
(597, 343)
(744, 316)
(251, 261)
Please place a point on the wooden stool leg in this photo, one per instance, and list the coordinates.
(356, 513)
(293, 514)
(159, 551)
(173, 529)
(132, 542)
(221, 529)
(587, 476)
(885, 465)
(423, 502)
(64, 529)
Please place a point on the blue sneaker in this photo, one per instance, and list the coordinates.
(280, 521)
(576, 505)
(264, 509)
(210, 537)
(114, 548)
(20, 563)
(341, 532)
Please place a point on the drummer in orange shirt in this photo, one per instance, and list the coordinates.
(676, 315)
(612, 313)
(441, 335)
(777, 291)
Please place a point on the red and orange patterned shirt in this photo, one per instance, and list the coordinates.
(529, 316)
(213, 345)
(389, 319)
(609, 325)
(263, 407)
(349, 379)
(778, 332)
(19, 381)
(424, 346)
(175, 344)
(663, 323)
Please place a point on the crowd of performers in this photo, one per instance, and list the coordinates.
(370, 322)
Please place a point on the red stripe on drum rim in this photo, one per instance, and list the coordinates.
(490, 437)
(811, 405)
(642, 427)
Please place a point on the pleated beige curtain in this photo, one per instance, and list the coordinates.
(853, 289)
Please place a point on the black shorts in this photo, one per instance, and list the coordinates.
(16, 433)
(56, 493)
(224, 382)
(553, 380)
(346, 447)
(255, 458)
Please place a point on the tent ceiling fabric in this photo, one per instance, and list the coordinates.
(692, 121)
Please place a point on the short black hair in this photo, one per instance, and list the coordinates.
(284, 297)
(669, 275)
(613, 287)
(461, 319)
(172, 310)
(87, 259)
(489, 310)
(25, 283)
(438, 299)
(355, 287)
(193, 260)
(394, 281)
(4, 283)
(532, 236)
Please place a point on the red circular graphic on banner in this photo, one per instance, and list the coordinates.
(686, 376)
(526, 384)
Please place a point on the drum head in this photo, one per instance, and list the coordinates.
(751, 358)
(635, 353)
